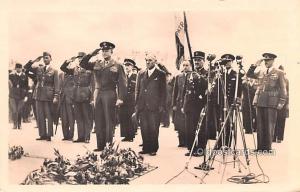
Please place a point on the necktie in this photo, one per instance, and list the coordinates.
(268, 70)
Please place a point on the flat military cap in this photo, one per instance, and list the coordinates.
(105, 45)
(81, 54)
(269, 56)
(46, 54)
(199, 54)
(228, 57)
(129, 62)
(136, 68)
(18, 65)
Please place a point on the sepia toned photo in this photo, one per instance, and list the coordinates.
(149, 95)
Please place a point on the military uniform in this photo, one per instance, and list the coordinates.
(249, 112)
(109, 77)
(177, 101)
(81, 97)
(194, 101)
(270, 93)
(27, 105)
(127, 109)
(18, 91)
(230, 79)
(67, 102)
(31, 91)
(47, 88)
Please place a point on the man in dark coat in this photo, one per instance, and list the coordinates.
(249, 86)
(150, 101)
(46, 94)
(109, 77)
(127, 109)
(177, 103)
(270, 96)
(18, 94)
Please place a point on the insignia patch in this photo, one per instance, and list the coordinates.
(274, 76)
(113, 69)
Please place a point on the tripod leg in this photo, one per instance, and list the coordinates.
(243, 139)
(212, 155)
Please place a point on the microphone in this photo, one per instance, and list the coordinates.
(211, 57)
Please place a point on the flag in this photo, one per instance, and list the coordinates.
(179, 39)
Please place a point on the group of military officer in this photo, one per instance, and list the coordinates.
(93, 93)
(260, 93)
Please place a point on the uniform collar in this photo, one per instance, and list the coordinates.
(270, 69)
(129, 74)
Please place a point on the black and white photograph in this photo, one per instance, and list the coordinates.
(150, 95)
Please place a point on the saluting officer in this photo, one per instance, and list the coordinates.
(127, 109)
(270, 96)
(177, 103)
(82, 97)
(46, 94)
(17, 94)
(67, 98)
(194, 101)
(109, 77)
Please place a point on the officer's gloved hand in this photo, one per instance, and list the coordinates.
(55, 100)
(38, 59)
(119, 102)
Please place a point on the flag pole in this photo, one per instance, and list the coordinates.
(188, 40)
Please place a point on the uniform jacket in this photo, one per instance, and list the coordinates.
(47, 86)
(195, 92)
(178, 91)
(67, 87)
(19, 85)
(151, 91)
(271, 90)
(79, 85)
(203, 72)
(131, 84)
(108, 76)
(231, 84)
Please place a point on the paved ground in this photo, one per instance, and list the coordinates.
(170, 159)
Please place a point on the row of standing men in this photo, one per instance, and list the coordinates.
(92, 91)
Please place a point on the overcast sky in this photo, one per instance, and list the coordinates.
(248, 28)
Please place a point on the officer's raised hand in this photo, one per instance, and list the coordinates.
(258, 63)
(38, 59)
(95, 52)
